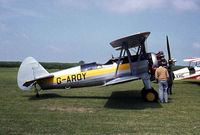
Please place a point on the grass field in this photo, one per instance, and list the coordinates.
(115, 109)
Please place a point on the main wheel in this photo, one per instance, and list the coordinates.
(150, 95)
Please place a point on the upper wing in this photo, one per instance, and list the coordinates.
(132, 41)
(192, 60)
(121, 80)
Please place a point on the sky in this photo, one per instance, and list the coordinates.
(75, 30)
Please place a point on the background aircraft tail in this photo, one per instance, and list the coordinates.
(29, 72)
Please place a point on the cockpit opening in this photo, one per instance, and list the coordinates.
(89, 66)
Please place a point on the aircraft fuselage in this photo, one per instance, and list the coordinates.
(91, 74)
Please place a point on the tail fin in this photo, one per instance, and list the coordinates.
(29, 72)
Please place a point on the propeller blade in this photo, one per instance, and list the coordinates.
(170, 61)
(168, 49)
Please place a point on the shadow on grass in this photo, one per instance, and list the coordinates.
(129, 100)
(194, 82)
(118, 100)
(53, 95)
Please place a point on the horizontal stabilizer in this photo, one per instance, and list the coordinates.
(28, 83)
(121, 80)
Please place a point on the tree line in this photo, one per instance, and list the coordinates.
(47, 65)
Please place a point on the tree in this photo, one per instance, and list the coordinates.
(81, 62)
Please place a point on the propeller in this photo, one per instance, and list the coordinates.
(168, 50)
(170, 63)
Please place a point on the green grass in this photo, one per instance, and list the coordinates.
(115, 109)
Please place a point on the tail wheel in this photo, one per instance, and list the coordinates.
(37, 88)
(150, 95)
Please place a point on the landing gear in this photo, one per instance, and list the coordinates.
(37, 89)
(37, 95)
(149, 95)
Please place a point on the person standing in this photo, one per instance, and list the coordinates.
(170, 82)
(162, 76)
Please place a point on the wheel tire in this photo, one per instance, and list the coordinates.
(143, 92)
(150, 95)
(37, 95)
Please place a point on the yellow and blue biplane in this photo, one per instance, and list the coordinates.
(127, 67)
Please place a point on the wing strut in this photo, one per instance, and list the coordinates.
(118, 62)
(124, 44)
(126, 50)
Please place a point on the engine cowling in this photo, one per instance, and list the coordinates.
(156, 60)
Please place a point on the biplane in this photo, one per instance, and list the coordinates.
(127, 67)
(190, 72)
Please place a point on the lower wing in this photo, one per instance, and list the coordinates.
(121, 80)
